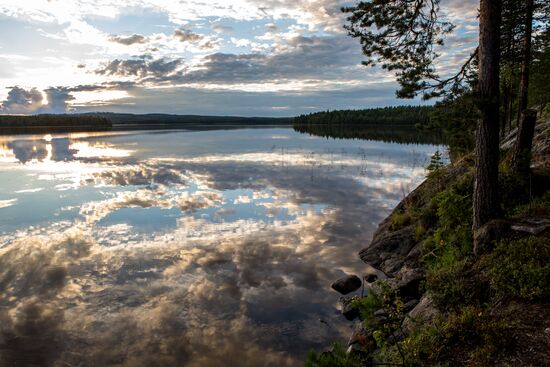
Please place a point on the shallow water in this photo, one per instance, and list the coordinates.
(195, 248)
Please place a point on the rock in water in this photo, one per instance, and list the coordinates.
(348, 310)
(347, 284)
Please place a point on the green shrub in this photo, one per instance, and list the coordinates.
(400, 220)
(336, 357)
(470, 334)
(446, 251)
(521, 268)
(445, 278)
(539, 206)
(385, 298)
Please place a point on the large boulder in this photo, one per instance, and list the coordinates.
(388, 250)
(347, 284)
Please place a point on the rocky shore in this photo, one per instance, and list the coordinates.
(396, 269)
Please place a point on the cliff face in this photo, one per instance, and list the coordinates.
(431, 283)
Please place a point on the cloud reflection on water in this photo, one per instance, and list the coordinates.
(240, 279)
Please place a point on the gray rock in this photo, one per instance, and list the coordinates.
(534, 226)
(347, 284)
(388, 245)
(349, 312)
(409, 282)
(407, 307)
(422, 313)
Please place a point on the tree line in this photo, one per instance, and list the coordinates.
(400, 115)
(490, 93)
(16, 121)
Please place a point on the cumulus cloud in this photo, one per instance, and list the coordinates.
(185, 35)
(199, 40)
(58, 99)
(327, 58)
(141, 67)
(129, 40)
(29, 101)
(22, 101)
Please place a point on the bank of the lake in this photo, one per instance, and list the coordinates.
(429, 301)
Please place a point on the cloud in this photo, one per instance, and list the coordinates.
(185, 35)
(190, 37)
(28, 101)
(58, 99)
(129, 40)
(220, 28)
(141, 67)
(22, 101)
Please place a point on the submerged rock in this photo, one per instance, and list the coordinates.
(347, 284)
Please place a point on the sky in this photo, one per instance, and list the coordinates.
(209, 57)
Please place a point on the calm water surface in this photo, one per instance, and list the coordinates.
(179, 248)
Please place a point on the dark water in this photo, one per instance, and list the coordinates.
(180, 248)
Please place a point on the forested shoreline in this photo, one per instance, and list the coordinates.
(400, 115)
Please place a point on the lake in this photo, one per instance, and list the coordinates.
(186, 248)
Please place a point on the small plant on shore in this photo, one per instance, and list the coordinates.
(382, 311)
(336, 357)
(436, 168)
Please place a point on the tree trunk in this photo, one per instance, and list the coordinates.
(486, 202)
(526, 60)
(505, 98)
(521, 160)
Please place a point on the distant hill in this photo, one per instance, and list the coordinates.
(13, 124)
(167, 119)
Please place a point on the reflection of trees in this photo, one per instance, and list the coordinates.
(389, 134)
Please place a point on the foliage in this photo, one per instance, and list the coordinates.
(539, 93)
(400, 115)
(457, 116)
(400, 220)
(435, 168)
(470, 334)
(386, 299)
(521, 268)
(402, 37)
(447, 250)
(7, 121)
(336, 357)
(539, 206)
